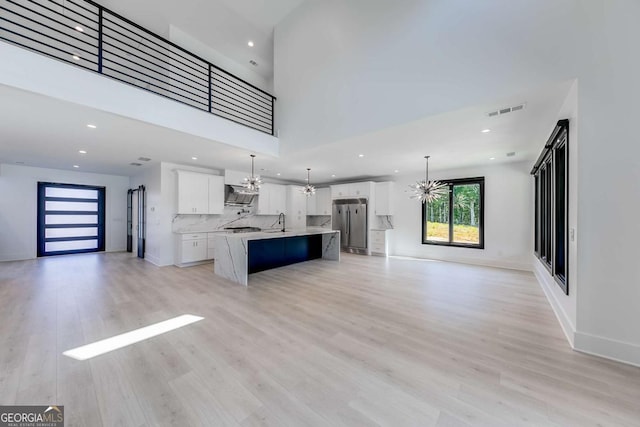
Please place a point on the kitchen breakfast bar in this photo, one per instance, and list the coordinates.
(240, 254)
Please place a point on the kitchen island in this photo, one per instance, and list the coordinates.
(239, 254)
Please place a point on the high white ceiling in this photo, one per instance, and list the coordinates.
(45, 132)
(226, 25)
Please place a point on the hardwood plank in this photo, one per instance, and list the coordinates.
(367, 341)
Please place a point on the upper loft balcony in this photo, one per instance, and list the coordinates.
(92, 38)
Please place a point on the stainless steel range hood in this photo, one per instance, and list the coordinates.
(237, 195)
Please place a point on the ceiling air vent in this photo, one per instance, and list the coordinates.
(511, 154)
(144, 159)
(135, 164)
(254, 63)
(506, 110)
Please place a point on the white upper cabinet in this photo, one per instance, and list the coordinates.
(193, 193)
(340, 190)
(320, 203)
(296, 207)
(216, 195)
(360, 189)
(312, 203)
(278, 199)
(355, 189)
(383, 202)
(272, 199)
(200, 193)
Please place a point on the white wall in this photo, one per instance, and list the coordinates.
(19, 207)
(608, 231)
(507, 218)
(565, 306)
(348, 67)
(150, 178)
(187, 41)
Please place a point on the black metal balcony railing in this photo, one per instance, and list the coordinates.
(88, 35)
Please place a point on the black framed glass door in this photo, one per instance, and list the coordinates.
(71, 219)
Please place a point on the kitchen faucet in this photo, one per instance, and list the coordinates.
(281, 215)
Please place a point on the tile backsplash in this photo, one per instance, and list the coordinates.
(246, 217)
(383, 222)
(232, 217)
(323, 221)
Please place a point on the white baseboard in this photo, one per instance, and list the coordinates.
(483, 262)
(618, 351)
(548, 284)
(153, 260)
(594, 345)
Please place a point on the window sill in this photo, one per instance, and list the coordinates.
(454, 245)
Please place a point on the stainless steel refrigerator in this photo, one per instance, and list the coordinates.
(350, 217)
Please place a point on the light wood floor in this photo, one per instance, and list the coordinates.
(365, 342)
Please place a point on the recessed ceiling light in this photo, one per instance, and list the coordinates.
(396, 171)
(76, 166)
(486, 130)
(492, 158)
(361, 155)
(82, 152)
(79, 28)
(194, 158)
(250, 43)
(76, 57)
(92, 126)
(333, 176)
(278, 174)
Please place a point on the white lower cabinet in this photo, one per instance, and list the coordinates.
(379, 242)
(191, 248)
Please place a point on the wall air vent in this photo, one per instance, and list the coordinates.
(144, 159)
(135, 164)
(506, 110)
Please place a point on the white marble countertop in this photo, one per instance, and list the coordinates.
(200, 232)
(276, 233)
(269, 233)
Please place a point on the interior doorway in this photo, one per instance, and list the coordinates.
(136, 223)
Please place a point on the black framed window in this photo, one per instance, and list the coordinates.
(71, 219)
(552, 205)
(560, 211)
(456, 219)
